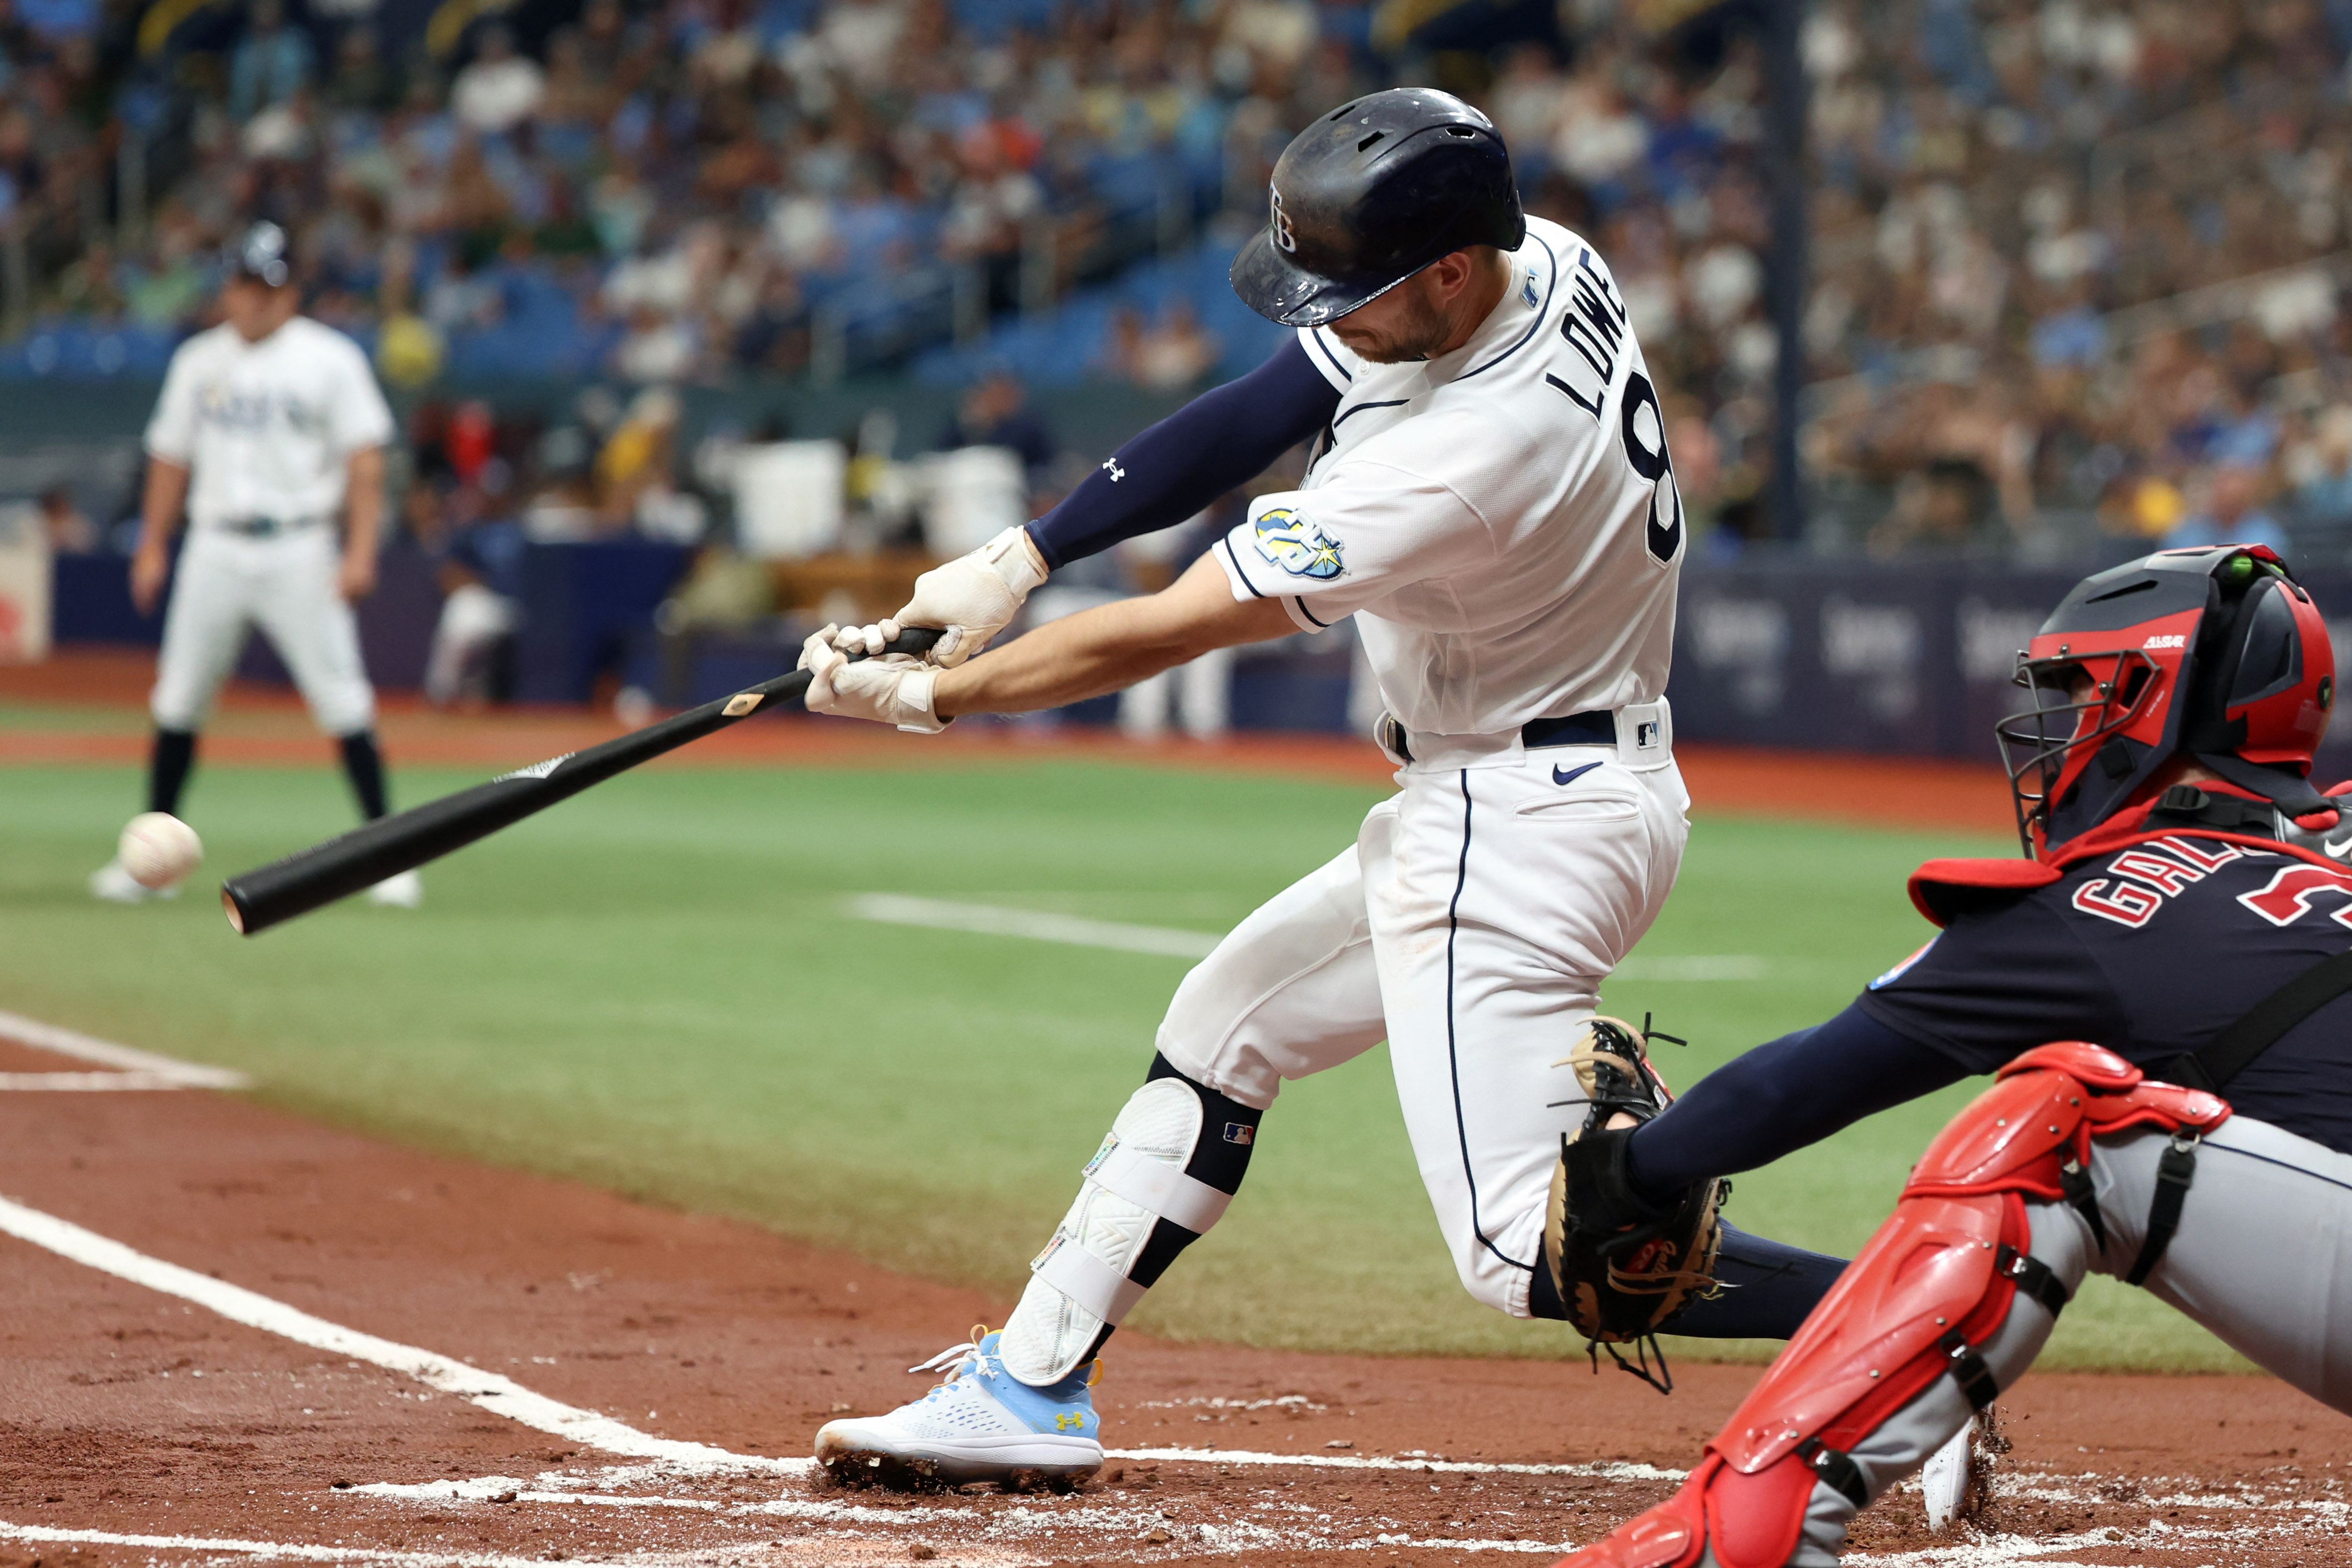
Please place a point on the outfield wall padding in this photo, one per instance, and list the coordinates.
(1894, 659)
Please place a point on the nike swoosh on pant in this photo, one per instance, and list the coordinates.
(1572, 775)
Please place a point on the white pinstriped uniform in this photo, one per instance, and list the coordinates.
(1504, 525)
(268, 430)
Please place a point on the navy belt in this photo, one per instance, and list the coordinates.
(266, 527)
(1598, 728)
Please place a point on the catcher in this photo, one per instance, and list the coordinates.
(2177, 905)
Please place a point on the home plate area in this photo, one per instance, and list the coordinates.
(227, 1335)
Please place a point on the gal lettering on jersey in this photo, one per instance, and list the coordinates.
(2139, 882)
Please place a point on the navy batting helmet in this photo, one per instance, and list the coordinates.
(1369, 195)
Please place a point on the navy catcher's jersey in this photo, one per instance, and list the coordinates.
(2150, 951)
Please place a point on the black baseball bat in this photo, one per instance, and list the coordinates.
(385, 848)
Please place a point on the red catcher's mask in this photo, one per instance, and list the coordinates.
(2216, 653)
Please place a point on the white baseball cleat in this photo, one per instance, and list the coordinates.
(982, 1425)
(404, 891)
(115, 884)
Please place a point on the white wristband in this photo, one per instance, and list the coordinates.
(1012, 556)
(915, 714)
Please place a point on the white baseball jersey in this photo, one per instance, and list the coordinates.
(269, 427)
(1502, 520)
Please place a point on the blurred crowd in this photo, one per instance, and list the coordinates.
(2076, 266)
(2076, 274)
(665, 191)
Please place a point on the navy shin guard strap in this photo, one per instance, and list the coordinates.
(2075, 1181)
(1969, 1371)
(1835, 1468)
(2035, 1280)
(2175, 1172)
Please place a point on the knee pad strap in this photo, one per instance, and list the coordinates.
(1156, 1187)
(1090, 1283)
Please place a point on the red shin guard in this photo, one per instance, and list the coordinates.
(1920, 1303)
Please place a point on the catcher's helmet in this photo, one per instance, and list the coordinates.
(1369, 195)
(2218, 653)
(263, 253)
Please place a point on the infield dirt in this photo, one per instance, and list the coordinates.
(135, 1427)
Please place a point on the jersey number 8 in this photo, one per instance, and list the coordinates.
(1645, 447)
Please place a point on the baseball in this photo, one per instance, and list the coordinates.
(157, 849)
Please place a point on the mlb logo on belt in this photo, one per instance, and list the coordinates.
(1646, 734)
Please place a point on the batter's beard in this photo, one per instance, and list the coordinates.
(1419, 336)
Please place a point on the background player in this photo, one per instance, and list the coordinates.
(2183, 908)
(269, 427)
(1489, 492)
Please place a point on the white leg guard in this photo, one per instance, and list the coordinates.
(1144, 1199)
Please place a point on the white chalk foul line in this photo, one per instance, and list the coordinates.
(89, 1082)
(1173, 942)
(276, 1549)
(1997, 1553)
(146, 1067)
(1604, 1469)
(990, 920)
(500, 1395)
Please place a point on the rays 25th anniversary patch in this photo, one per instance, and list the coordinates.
(1298, 544)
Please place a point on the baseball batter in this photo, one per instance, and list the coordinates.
(270, 429)
(2162, 989)
(1490, 496)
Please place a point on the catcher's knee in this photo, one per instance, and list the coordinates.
(1176, 1155)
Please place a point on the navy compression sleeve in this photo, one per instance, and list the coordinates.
(1779, 1096)
(1222, 439)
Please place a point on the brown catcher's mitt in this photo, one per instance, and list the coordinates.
(1624, 1266)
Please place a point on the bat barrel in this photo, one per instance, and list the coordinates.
(273, 894)
(361, 858)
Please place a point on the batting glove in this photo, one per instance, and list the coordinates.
(974, 596)
(893, 688)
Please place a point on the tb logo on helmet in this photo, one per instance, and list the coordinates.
(1284, 236)
(1297, 544)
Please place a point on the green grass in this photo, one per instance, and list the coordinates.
(651, 988)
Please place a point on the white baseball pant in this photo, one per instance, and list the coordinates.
(286, 585)
(1471, 925)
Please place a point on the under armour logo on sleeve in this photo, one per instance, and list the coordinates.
(1110, 466)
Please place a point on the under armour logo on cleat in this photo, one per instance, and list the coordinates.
(1110, 466)
(1069, 1423)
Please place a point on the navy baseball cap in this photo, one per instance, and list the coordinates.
(261, 253)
